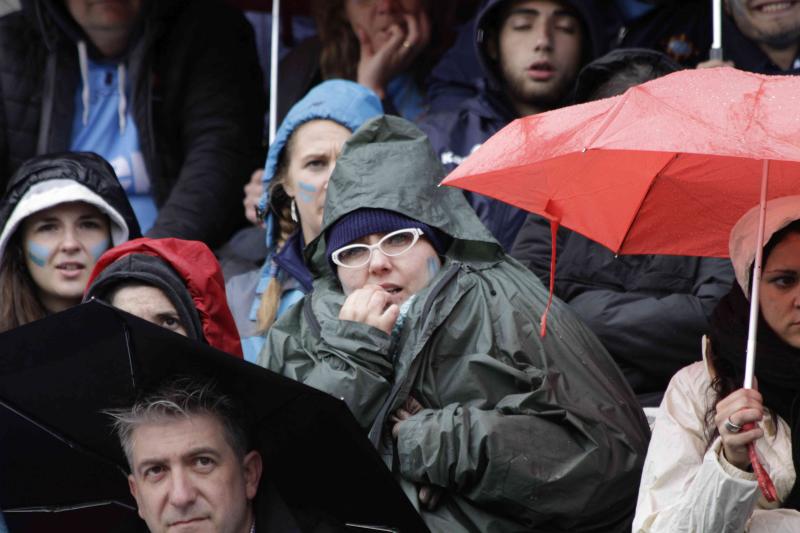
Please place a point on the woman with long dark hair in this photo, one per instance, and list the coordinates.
(698, 475)
(59, 214)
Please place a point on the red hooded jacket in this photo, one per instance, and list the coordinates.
(202, 276)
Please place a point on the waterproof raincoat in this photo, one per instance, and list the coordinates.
(524, 433)
(687, 485)
(190, 261)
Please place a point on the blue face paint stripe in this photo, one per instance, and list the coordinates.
(305, 197)
(306, 192)
(38, 253)
(433, 267)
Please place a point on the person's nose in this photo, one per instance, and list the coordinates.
(69, 241)
(542, 35)
(379, 263)
(182, 491)
(796, 295)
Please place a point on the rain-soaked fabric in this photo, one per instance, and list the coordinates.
(202, 276)
(688, 486)
(666, 168)
(525, 433)
(649, 311)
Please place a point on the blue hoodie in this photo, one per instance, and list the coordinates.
(456, 133)
(341, 101)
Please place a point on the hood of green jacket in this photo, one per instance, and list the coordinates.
(388, 163)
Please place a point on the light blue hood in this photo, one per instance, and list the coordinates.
(342, 101)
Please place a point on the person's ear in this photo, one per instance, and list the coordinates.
(133, 488)
(252, 466)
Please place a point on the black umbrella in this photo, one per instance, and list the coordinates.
(58, 374)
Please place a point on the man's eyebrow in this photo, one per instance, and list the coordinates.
(144, 464)
(192, 452)
(523, 11)
(202, 450)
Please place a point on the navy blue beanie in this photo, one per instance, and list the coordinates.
(362, 222)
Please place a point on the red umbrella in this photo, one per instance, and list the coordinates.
(666, 168)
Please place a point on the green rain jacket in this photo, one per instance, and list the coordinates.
(524, 433)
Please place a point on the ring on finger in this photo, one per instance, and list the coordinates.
(730, 426)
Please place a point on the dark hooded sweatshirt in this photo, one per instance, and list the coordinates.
(196, 98)
(455, 134)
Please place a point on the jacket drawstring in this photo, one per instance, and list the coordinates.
(122, 106)
(83, 58)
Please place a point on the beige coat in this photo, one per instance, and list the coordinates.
(688, 486)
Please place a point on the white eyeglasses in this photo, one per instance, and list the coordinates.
(392, 244)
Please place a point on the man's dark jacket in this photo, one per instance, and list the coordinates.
(196, 99)
(649, 311)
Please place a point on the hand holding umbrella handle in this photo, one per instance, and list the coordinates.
(764, 481)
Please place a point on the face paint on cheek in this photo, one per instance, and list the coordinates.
(98, 249)
(306, 192)
(433, 267)
(38, 253)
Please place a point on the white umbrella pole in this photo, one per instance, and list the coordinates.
(751, 332)
(273, 69)
(716, 43)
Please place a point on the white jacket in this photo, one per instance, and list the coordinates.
(688, 486)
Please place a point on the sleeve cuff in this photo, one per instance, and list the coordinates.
(729, 469)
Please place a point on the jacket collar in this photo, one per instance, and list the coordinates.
(290, 259)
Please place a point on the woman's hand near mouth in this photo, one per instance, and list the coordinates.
(370, 305)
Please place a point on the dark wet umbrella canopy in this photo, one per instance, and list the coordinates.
(57, 450)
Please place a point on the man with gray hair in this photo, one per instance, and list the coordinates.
(192, 466)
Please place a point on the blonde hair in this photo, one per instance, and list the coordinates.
(280, 206)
